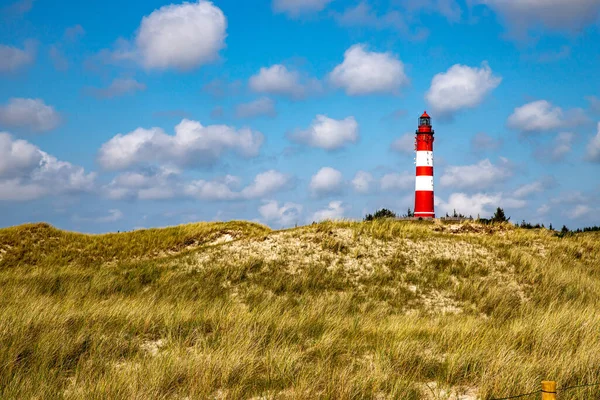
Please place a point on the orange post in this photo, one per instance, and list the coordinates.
(548, 390)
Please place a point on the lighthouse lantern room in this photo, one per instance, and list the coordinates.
(424, 199)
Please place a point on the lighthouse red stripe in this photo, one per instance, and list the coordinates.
(424, 171)
(424, 204)
(423, 145)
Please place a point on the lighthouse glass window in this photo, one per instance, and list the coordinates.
(424, 122)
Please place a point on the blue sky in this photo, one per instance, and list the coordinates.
(118, 117)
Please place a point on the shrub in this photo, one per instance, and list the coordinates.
(380, 214)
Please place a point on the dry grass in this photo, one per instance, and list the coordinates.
(380, 310)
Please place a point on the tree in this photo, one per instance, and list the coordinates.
(499, 216)
(380, 214)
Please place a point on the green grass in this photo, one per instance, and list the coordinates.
(334, 310)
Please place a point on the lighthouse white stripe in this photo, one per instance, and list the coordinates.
(424, 158)
(424, 183)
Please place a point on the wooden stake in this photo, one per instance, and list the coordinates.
(548, 390)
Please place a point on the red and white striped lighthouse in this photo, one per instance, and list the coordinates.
(424, 161)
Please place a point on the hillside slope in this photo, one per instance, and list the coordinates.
(377, 310)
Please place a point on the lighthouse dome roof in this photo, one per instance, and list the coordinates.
(425, 115)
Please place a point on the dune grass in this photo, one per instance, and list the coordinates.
(346, 310)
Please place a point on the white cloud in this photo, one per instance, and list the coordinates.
(266, 183)
(286, 215)
(483, 142)
(210, 190)
(180, 36)
(558, 149)
(334, 211)
(114, 215)
(326, 182)
(580, 210)
(529, 189)
(164, 183)
(543, 209)
(327, 133)
(279, 80)
(118, 87)
(541, 115)
(397, 181)
(256, 108)
(59, 61)
(74, 32)
(405, 144)
(448, 8)
(295, 8)
(461, 87)
(29, 114)
(362, 182)
(557, 15)
(365, 72)
(479, 176)
(18, 8)
(192, 144)
(482, 204)
(149, 184)
(593, 148)
(594, 104)
(28, 173)
(13, 59)
(363, 15)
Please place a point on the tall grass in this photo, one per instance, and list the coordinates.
(165, 314)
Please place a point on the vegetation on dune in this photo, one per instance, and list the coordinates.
(375, 310)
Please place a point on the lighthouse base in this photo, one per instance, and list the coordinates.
(424, 215)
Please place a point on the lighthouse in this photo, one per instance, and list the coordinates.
(424, 182)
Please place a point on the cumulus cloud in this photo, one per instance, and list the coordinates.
(461, 87)
(405, 144)
(365, 72)
(59, 61)
(362, 182)
(557, 15)
(558, 149)
(295, 8)
(484, 142)
(448, 8)
(73, 33)
(397, 181)
(192, 145)
(266, 183)
(147, 184)
(541, 115)
(13, 58)
(179, 36)
(327, 133)
(482, 204)
(28, 173)
(327, 181)
(166, 183)
(594, 104)
(529, 189)
(482, 175)
(286, 215)
(593, 148)
(29, 114)
(334, 211)
(363, 15)
(118, 87)
(113, 215)
(256, 108)
(579, 211)
(279, 80)
(211, 190)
